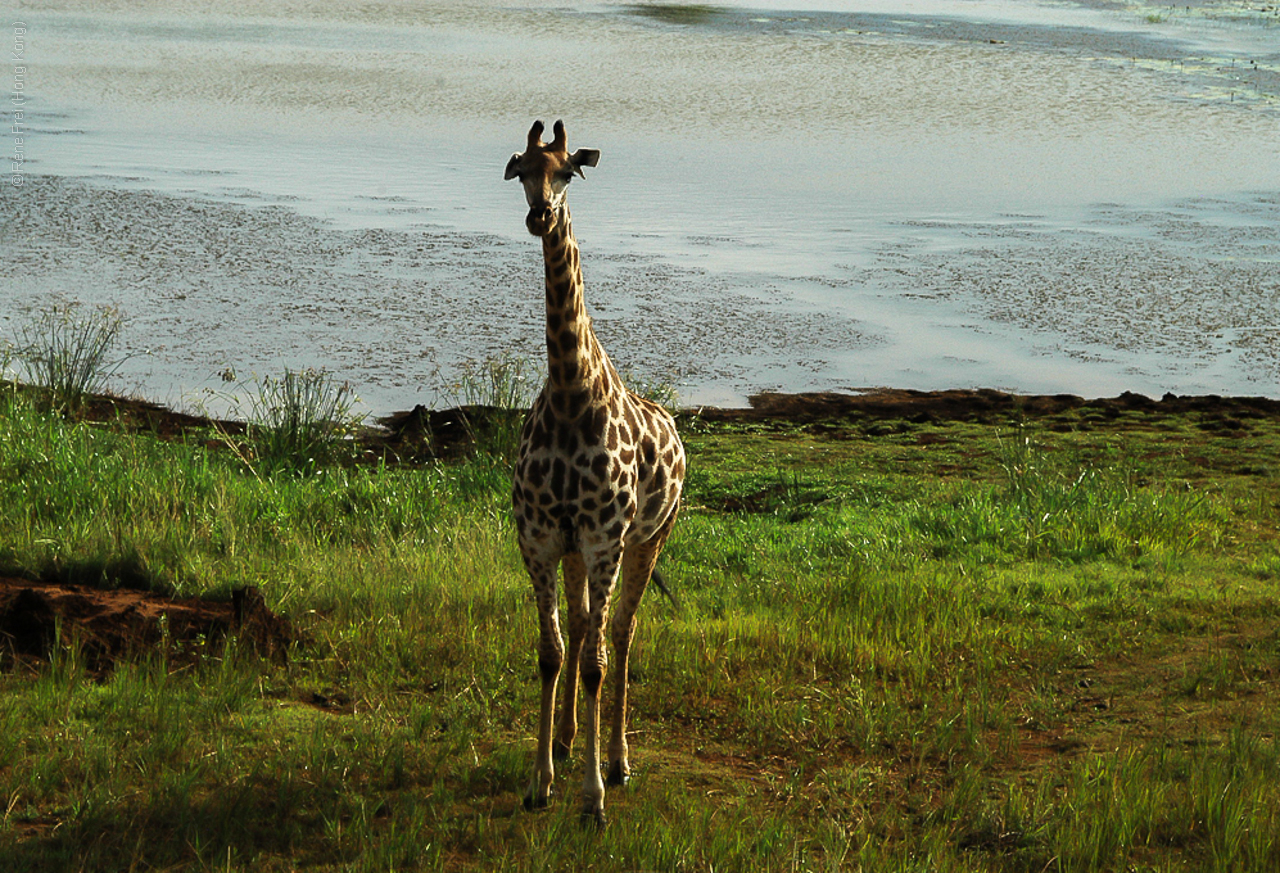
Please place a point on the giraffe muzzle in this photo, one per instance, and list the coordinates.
(541, 220)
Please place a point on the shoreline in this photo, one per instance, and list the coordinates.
(1166, 298)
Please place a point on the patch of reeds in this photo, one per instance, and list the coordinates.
(660, 390)
(68, 351)
(502, 381)
(493, 395)
(299, 422)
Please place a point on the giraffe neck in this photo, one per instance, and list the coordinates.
(579, 370)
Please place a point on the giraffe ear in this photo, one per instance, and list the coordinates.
(510, 173)
(584, 158)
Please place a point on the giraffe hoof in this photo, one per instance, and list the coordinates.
(593, 817)
(559, 751)
(617, 775)
(533, 802)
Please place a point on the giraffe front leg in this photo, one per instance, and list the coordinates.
(594, 663)
(619, 767)
(593, 667)
(575, 587)
(550, 659)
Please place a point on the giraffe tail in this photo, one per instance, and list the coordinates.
(662, 586)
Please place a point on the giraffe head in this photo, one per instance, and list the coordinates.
(545, 170)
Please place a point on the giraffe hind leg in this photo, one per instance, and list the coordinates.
(637, 569)
(636, 566)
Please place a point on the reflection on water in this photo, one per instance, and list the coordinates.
(938, 194)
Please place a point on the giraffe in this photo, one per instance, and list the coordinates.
(596, 489)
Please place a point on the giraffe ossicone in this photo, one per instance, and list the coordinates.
(597, 486)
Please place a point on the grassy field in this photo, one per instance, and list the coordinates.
(1050, 644)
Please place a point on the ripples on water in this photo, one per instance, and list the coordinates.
(1005, 194)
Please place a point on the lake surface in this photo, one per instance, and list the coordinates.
(1037, 197)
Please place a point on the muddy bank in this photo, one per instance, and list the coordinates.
(212, 289)
(422, 435)
(983, 406)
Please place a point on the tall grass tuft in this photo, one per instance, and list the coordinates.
(658, 389)
(1064, 509)
(297, 422)
(1089, 510)
(67, 352)
(504, 381)
(494, 395)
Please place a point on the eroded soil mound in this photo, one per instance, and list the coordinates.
(106, 626)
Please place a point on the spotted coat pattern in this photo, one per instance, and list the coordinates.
(596, 489)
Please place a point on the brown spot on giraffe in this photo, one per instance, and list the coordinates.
(606, 514)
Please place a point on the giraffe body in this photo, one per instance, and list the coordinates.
(597, 486)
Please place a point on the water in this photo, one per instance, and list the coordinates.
(1039, 197)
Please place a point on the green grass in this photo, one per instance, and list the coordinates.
(1046, 646)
